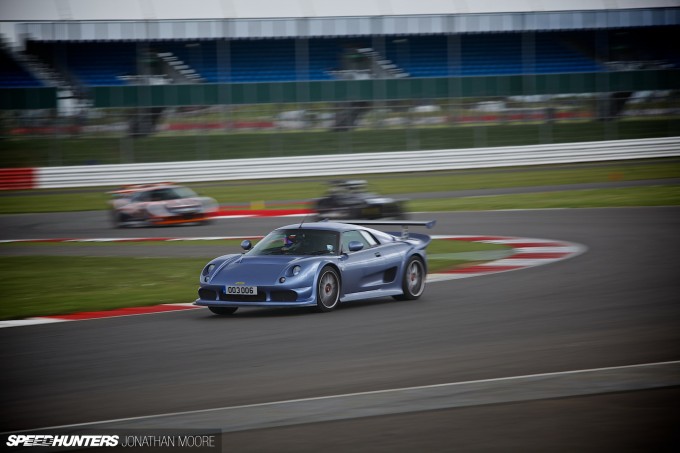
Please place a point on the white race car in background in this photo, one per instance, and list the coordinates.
(159, 204)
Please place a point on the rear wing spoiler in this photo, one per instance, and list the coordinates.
(429, 224)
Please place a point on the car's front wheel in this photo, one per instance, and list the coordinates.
(223, 310)
(413, 282)
(119, 219)
(327, 290)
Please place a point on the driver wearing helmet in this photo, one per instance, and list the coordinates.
(291, 242)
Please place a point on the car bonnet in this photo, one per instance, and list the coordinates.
(254, 270)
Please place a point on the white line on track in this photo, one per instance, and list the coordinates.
(27, 322)
(404, 400)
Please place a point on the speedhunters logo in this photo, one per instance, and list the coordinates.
(46, 440)
(129, 441)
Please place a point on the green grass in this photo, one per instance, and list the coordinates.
(442, 253)
(40, 201)
(623, 197)
(49, 285)
(13, 202)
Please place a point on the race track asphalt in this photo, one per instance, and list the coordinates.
(615, 305)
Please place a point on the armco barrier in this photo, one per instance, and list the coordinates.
(354, 164)
(17, 178)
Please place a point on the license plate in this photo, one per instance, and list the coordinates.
(241, 290)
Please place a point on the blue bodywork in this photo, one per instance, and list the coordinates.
(371, 267)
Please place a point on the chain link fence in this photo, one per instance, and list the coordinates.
(90, 136)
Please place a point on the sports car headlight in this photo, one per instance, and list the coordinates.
(296, 270)
(208, 269)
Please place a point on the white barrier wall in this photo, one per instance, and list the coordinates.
(354, 164)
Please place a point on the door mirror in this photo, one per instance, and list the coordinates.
(246, 245)
(355, 246)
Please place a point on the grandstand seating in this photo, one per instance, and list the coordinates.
(101, 63)
(13, 75)
(90, 63)
(485, 54)
(266, 60)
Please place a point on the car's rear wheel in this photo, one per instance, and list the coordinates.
(323, 207)
(223, 310)
(327, 290)
(413, 282)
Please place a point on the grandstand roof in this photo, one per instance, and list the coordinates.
(85, 10)
(210, 19)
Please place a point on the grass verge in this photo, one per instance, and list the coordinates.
(245, 192)
(598, 198)
(50, 285)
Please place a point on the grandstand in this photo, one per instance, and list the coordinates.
(110, 63)
(274, 59)
(451, 55)
(502, 41)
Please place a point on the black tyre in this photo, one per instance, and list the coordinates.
(119, 219)
(327, 290)
(323, 207)
(223, 310)
(413, 281)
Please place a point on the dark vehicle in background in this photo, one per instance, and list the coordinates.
(350, 199)
(159, 204)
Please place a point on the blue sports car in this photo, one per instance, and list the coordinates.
(318, 265)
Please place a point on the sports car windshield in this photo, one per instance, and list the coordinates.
(297, 242)
(164, 194)
(172, 193)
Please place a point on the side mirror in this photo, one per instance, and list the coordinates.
(355, 246)
(246, 245)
